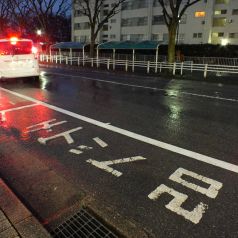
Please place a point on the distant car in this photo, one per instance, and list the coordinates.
(18, 58)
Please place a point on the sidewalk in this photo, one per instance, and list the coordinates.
(16, 221)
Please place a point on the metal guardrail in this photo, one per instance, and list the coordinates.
(150, 66)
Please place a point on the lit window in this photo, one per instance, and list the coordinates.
(218, 12)
(200, 14)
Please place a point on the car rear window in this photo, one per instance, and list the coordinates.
(18, 48)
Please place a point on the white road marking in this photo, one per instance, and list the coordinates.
(104, 164)
(65, 134)
(211, 192)
(175, 204)
(45, 125)
(100, 142)
(74, 151)
(3, 116)
(147, 140)
(18, 108)
(12, 103)
(171, 92)
(81, 147)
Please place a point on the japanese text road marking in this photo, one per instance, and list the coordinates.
(104, 165)
(157, 143)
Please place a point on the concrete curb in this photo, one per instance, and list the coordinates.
(15, 219)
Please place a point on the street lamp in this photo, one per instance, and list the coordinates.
(39, 32)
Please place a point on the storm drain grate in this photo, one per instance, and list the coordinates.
(82, 225)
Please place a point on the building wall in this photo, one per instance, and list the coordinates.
(208, 21)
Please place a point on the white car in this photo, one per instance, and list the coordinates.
(18, 58)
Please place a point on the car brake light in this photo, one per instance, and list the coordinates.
(13, 40)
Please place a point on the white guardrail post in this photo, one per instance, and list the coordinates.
(67, 60)
(108, 64)
(174, 68)
(148, 67)
(205, 70)
(126, 65)
(60, 59)
(181, 69)
(78, 61)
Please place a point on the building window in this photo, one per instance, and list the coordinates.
(136, 37)
(221, 1)
(220, 34)
(113, 20)
(181, 38)
(77, 38)
(105, 36)
(77, 13)
(133, 37)
(219, 21)
(105, 12)
(219, 12)
(235, 12)
(155, 37)
(125, 37)
(200, 14)
(134, 4)
(105, 28)
(84, 39)
(135, 21)
(112, 36)
(197, 35)
(233, 35)
(158, 20)
(82, 26)
(165, 37)
(183, 19)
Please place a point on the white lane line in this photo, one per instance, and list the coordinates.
(147, 140)
(169, 91)
(18, 108)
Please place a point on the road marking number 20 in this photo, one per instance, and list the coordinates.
(179, 198)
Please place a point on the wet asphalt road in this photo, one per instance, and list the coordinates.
(146, 128)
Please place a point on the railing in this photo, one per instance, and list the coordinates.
(145, 58)
(149, 66)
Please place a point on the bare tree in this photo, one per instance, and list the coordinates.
(44, 10)
(93, 9)
(4, 16)
(173, 10)
(44, 14)
(21, 16)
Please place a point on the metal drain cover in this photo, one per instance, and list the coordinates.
(82, 225)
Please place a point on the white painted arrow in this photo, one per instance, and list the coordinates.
(104, 165)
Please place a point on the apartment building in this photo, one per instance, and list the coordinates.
(208, 21)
